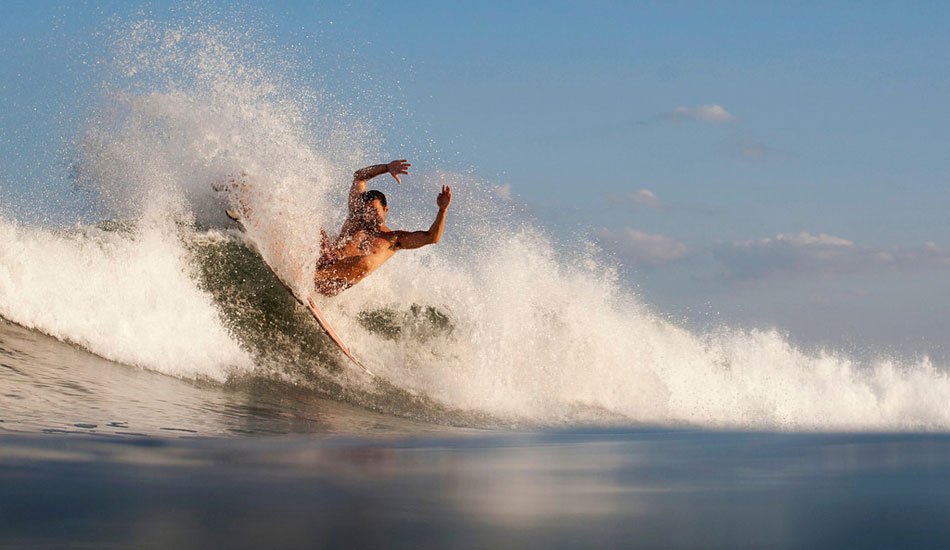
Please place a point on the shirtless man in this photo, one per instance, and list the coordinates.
(365, 242)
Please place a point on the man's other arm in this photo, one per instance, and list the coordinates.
(416, 239)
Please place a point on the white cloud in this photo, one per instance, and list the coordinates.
(642, 249)
(803, 239)
(707, 113)
(504, 191)
(817, 254)
(645, 197)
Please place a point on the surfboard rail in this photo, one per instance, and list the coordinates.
(318, 315)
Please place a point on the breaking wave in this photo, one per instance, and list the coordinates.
(495, 322)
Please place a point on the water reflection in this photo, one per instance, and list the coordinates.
(631, 489)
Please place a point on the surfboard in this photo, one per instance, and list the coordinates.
(308, 302)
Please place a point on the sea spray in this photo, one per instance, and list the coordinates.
(188, 106)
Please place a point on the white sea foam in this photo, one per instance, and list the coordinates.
(545, 337)
(538, 334)
(127, 296)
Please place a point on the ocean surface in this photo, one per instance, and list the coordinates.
(159, 387)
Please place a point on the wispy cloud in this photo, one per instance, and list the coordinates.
(645, 197)
(504, 191)
(640, 248)
(817, 254)
(706, 113)
(749, 149)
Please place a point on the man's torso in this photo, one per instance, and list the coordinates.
(359, 251)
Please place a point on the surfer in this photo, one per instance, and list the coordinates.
(365, 242)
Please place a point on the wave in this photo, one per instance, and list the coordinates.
(127, 296)
(495, 324)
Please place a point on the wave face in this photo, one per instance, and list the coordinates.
(495, 322)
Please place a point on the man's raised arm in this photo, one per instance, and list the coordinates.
(415, 239)
(360, 177)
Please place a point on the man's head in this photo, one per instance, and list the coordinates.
(375, 203)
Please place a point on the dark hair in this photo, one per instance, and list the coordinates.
(370, 196)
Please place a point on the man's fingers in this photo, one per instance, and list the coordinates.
(397, 178)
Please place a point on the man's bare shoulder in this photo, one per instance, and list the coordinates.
(387, 236)
(393, 236)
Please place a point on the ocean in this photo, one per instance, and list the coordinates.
(159, 387)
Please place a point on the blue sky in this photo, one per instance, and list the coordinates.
(685, 138)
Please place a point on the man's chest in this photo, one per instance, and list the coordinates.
(363, 243)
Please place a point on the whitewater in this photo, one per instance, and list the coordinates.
(496, 325)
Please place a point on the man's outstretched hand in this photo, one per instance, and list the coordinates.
(398, 167)
(445, 197)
